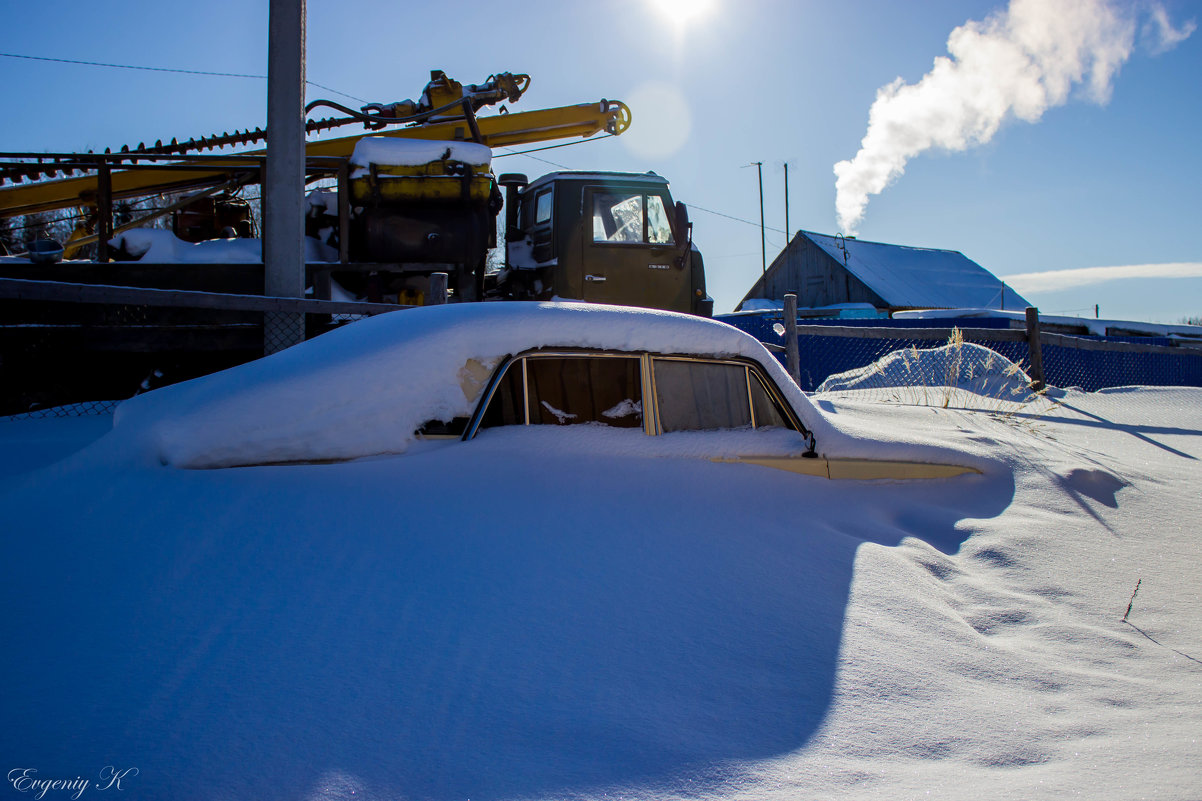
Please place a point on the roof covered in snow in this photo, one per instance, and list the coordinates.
(887, 276)
(910, 277)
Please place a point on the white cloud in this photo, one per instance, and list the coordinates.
(1056, 280)
(1160, 33)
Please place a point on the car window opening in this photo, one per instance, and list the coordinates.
(568, 390)
(765, 411)
(691, 394)
(443, 429)
(700, 396)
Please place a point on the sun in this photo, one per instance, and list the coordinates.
(683, 12)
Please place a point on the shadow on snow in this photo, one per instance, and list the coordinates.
(434, 626)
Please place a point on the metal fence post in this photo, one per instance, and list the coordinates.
(1037, 380)
(284, 182)
(438, 289)
(792, 357)
(344, 211)
(104, 210)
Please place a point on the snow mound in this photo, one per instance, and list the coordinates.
(156, 246)
(963, 366)
(322, 200)
(365, 389)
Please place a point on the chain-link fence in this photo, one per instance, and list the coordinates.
(71, 350)
(884, 354)
(83, 409)
(75, 349)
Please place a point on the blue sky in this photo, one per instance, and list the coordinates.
(1088, 185)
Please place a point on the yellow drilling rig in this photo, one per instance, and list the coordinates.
(412, 195)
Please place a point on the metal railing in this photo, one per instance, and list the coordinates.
(71, 345)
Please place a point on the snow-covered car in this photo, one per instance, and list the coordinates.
(457, 371)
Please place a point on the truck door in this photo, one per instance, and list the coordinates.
(629, 255)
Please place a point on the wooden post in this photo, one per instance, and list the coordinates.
(438, 290)
(1037, 381)
(792, 357)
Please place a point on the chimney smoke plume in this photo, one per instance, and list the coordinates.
(1018, 63)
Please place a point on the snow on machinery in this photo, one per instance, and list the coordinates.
(599, 237)
(405, 209)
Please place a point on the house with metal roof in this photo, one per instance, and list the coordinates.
(829, 270)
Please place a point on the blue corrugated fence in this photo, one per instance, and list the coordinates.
(830, 347)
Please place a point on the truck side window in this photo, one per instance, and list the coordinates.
(617, 217)
(659, 230)
(542, 207)
(631, 217)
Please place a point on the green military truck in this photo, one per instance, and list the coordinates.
(600, 237)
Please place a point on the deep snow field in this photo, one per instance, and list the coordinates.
(564, 613)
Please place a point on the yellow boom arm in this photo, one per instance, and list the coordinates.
(519, 128)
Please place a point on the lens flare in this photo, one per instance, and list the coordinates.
(661, 121)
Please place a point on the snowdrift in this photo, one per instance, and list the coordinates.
(538, 616)
(965, 366)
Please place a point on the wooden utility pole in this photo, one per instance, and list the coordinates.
(759, 168)
(788, 230)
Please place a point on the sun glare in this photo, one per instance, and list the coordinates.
(683, 12)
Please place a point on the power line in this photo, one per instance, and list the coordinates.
(169, 69)
(607, 136)
(736, 219)
(552, 147)
(353, 97)
(335, 91)
(536, 158)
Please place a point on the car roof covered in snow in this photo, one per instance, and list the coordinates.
(366, 388)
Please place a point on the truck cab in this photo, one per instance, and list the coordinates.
(601, 237)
